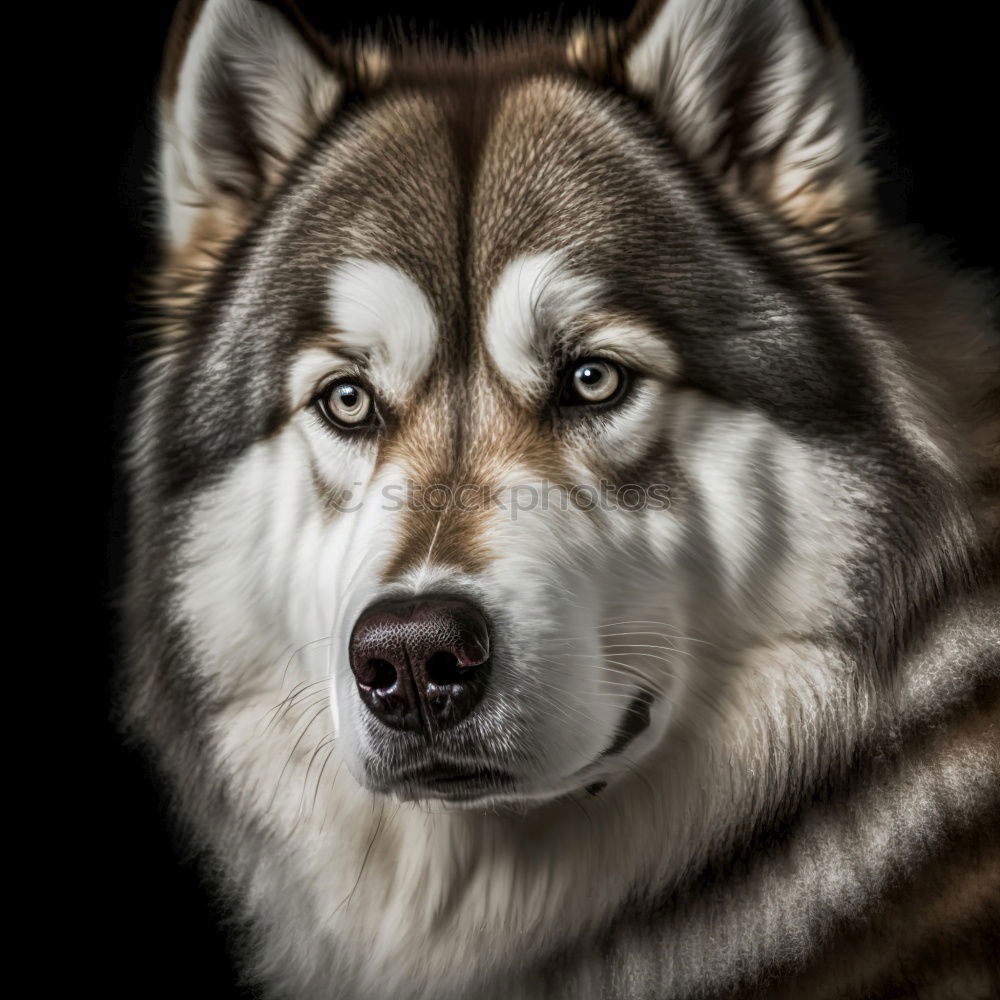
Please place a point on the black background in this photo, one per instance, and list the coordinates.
(931, 104)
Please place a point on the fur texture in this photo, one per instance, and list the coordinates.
(748, 723)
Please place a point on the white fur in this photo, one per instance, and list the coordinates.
(532, 292)
(382, 314)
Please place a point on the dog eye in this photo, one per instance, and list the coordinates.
(593, 381)
(347, 405)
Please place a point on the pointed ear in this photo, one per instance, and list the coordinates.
(761, 93)
(245, 86)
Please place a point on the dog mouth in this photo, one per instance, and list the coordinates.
(635, 720)
(452, 784)
(466, 782)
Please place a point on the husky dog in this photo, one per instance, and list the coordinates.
(565, 523)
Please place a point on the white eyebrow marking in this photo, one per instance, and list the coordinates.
(308, 370)
(535, 297)
(381, 313)
(633, 344)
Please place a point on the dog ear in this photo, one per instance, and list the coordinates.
(245, 86)
(761, 93)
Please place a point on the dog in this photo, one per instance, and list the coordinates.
(564, 525)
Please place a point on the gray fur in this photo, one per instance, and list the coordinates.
(823, 754)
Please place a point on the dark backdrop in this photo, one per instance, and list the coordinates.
(931, 101)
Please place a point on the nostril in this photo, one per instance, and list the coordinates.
(443, 668)
(378, 674)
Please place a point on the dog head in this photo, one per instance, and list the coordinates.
(513, 398)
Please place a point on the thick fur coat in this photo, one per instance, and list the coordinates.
(739, 732)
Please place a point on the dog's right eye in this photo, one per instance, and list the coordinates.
(593, 382)
(347, 405)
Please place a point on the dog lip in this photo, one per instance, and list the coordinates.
(451, 783)
(442, 776)
(635, 720)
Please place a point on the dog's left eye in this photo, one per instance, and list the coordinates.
(347, 405)
(593, 381)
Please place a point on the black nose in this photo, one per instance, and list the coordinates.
(421, 664)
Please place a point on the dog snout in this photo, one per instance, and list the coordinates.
(421, 664)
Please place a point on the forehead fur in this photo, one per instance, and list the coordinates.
(448, 179)
(452, 176)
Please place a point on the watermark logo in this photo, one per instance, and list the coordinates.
(514, 501)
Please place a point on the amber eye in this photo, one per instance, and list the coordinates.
(347, 405)
(592, 381)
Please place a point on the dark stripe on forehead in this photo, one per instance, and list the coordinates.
(467, 89)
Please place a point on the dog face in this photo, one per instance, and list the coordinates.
(512, 412)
